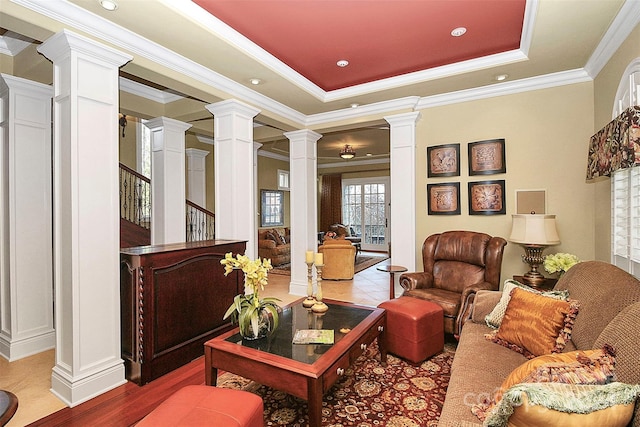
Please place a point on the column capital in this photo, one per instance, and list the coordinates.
(232, 106)
(196, 153)
(303, 134)
(167, 123)
(57, 46)
(404, 118)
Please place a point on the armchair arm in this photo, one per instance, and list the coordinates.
(418, 280)
(266, 244)
(466, 303)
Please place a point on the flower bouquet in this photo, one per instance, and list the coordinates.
(560, 262)
(255, 317)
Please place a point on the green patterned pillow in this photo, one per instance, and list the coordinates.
(543, 404)
(494, 319)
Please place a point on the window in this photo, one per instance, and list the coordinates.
(625, 219)
(143, 144)
(625, 186)
(272, 203)
(283, 180)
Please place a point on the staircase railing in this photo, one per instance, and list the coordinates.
(135, 207)
(135, 197)
(200, 223)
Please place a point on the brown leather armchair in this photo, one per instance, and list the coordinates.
(457, 264)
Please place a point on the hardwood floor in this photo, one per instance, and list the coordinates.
(127, 404)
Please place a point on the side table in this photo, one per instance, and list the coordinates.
(547, 285)
(392, 270)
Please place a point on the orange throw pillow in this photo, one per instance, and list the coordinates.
(535, 325)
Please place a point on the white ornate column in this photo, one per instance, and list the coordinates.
(303, 165)
(403, 189)
(234, 173)
(85, 216)
(26, 269)
(168, 193)
(197, 176)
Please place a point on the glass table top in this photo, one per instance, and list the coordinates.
(340, 318)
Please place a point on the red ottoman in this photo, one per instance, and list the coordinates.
(201, 405)
(415, 328)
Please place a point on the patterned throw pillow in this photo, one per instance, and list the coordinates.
(547, 404)
(494, 318)
(534, 325)
(575, 367)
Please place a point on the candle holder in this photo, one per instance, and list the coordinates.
(310, 300)
(319, 306)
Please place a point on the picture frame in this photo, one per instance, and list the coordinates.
(443, 199)
(487, 198)
(443, 160)
(487, 157)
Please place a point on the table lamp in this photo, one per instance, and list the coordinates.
(534, 232)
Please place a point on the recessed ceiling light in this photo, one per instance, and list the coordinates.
(369, 154)
(255, 81)
(342, 63)
(501, 77)
(457, 32)
(109, 5)
(355, 105)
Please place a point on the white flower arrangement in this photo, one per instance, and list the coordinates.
(560, 262)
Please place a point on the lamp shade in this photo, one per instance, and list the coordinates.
(534, 230)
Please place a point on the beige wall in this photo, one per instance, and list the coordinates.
(547, 134)
(268, 180)
(128, 143)
(605, 87)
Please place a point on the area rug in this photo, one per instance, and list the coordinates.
(369, 394)
(362, 262)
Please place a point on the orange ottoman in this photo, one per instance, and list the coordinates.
(201, 405)
(415, 328)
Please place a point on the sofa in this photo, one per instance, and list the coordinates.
(609, 313)
(275, 244)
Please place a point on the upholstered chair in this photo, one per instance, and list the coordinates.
(457, 264)
(339, 259)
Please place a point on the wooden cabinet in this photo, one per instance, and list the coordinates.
(173, 298)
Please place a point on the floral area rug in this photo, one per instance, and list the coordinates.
(396, 395)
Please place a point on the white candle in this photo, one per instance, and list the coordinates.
(319, 260)
(309, 257)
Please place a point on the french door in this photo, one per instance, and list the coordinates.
(365, 208)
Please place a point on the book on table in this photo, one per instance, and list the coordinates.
(313, 336)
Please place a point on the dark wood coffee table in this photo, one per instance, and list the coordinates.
(306, 371)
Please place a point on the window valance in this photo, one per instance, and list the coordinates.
(615, 146)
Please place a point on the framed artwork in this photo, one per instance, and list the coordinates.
(443, 160)
(487, 198)
(487, 157)
(443, 199)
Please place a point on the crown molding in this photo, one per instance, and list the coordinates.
(506, 88)
(147, 92)
(623, 24)
(272, 155)
(344, 163)
(383, 107)
(102, 29)
(12, 44)
(205, 139)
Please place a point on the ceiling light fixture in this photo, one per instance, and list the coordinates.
(355, 105)
(109, 5)
(457, 32)
(255, 81)
(347, 152)
(501, 77)
(342, 63)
